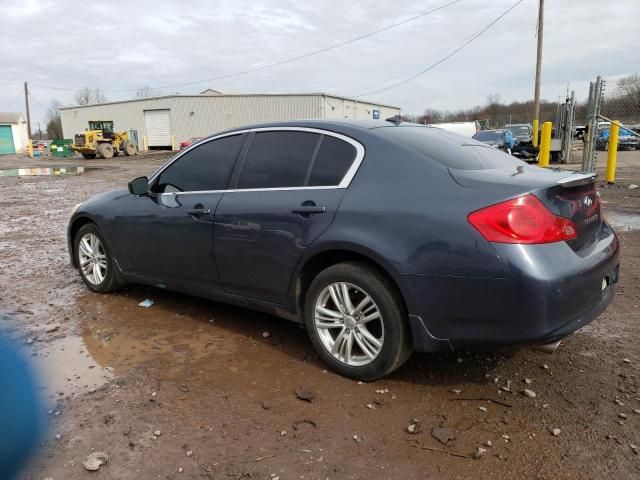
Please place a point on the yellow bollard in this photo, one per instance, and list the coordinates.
(545, 145)
(173, 143)
(612, 155)
(534, 137)
(30, 148)
(145, 147)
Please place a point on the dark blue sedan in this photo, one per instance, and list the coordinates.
(381, 237)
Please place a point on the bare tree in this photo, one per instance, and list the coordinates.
(87, 96)
(146, 92)
(83, 96)
(630, 88)
(99, 96)
(54, 122)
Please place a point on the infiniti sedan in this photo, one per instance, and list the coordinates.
(382, 238)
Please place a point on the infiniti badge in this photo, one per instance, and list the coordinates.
(587, 202)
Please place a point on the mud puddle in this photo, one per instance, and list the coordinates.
(43, 171)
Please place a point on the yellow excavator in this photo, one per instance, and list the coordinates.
(100, 140)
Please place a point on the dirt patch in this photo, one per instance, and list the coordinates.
(225, 398)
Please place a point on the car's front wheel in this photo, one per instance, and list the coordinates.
(94, 260)
(357, 321)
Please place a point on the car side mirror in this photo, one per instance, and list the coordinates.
(139, 186)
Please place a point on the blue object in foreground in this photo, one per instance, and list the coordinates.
(20, 418)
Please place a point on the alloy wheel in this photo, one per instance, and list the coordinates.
(349, 324)
(92, 259)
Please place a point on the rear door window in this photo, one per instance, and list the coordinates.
(278, 159)
(207, 166)
(332, 162)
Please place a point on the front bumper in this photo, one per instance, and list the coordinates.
(549, 293)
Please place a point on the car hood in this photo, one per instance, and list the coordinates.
(492, 143)
(100, 199)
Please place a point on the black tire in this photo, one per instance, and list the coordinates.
(88, 156)
(110, 281)
(128, 148)
(396, 346)
(105, 150)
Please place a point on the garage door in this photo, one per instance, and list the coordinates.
(6, 140)
(158, 128)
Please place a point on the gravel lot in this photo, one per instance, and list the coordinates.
(222, 393)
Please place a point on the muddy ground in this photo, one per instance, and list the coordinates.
(223, 396)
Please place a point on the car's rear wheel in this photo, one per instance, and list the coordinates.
(357, 321)
(94, 260)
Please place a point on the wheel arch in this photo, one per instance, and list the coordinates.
(320, 259)
(74, 226)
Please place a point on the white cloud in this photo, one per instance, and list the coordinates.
(130, 44)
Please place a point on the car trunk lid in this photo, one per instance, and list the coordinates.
(567, 194)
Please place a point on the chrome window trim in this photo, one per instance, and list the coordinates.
(344, 183)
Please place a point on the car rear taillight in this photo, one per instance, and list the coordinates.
(521, 220)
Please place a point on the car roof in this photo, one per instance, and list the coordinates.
(365, 125)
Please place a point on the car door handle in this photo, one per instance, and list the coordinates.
(198, 212)
(308, 209)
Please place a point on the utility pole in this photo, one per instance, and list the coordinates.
(26, 101)
(536, 98)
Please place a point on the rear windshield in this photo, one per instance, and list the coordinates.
(518, 129)
(450, 149)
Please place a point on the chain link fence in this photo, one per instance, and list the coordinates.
(611, 100)
(621, 100)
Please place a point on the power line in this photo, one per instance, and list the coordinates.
(431, 67)
(34, 98)
(419, 65)
(281, 62)
(13, 101)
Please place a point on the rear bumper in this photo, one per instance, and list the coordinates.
(549, 293)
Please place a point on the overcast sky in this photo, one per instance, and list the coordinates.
(123, 45)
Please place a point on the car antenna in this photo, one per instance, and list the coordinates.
(396, 119)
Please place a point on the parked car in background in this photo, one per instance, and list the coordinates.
(500, 139)
(380, 237)
(627, 140)
(578, 131)
(188, 143)
(468, 129)
(523, 133)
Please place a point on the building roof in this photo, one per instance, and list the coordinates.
(11, 117)
(205, 95)
(211, 91)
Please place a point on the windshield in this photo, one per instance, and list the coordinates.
(487, 135)
(449, 149)
(519, 129)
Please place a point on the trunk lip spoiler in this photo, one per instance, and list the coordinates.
(576, 179)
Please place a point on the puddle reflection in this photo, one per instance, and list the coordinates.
(41, 171)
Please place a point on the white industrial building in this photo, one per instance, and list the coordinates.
(13, 133)
(163, 122)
